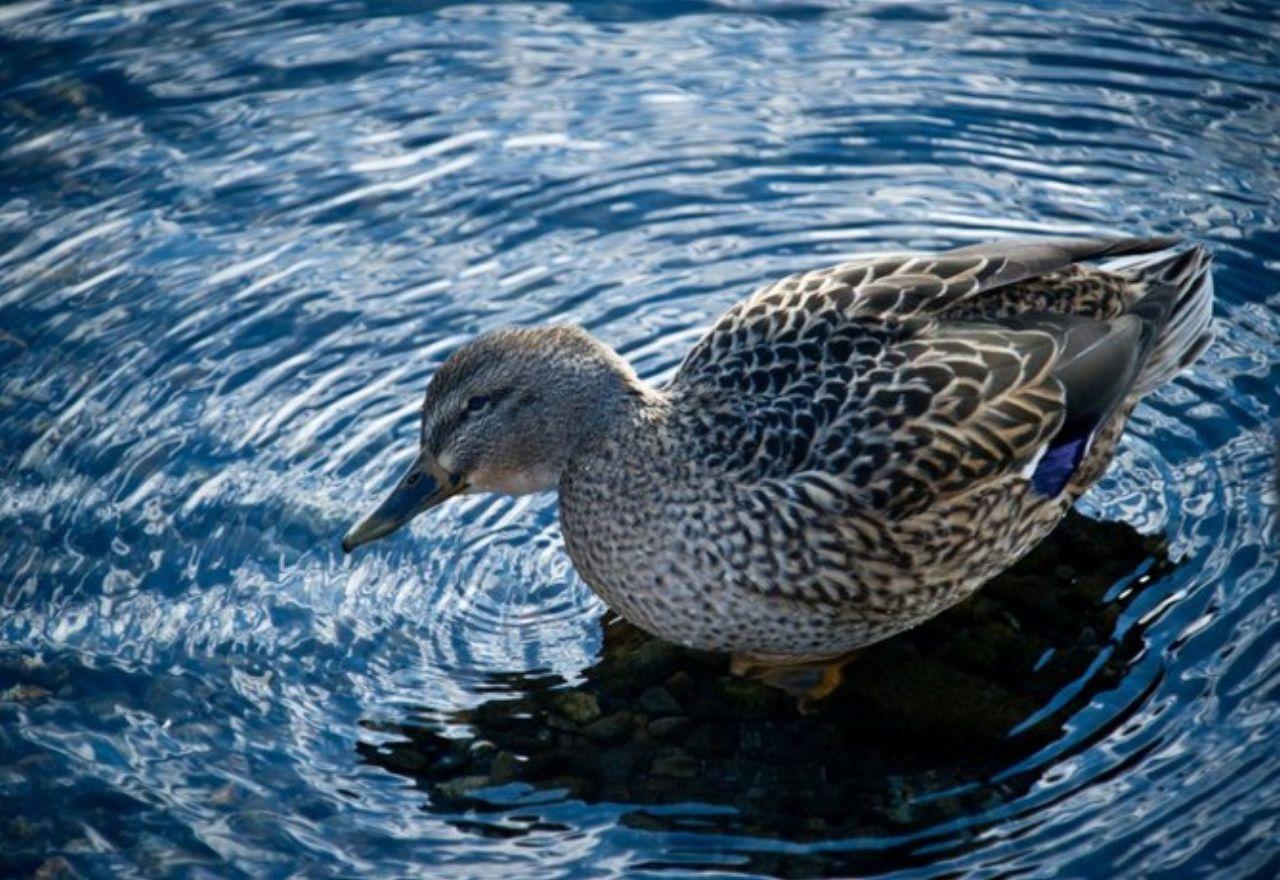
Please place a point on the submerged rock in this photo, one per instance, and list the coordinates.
(611, 727)
(667, 728)
(505, 768)
(919, 719)
(674, 763)
(577, 706)
(657, 701)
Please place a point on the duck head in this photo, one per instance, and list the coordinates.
(504, 413)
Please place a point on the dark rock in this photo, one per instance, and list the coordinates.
(407, 760)
(674, 763)
(577, 706)
(505, 768)
(747, 699)
(666, 728)
(657, 701)
(942, 702)
(619, 764)
(707, 740)
(574, 786)
(633, 657)
(610, 728)
(561, 762)
(555, 722)
(680, 685)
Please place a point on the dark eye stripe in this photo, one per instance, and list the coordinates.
(445, 432)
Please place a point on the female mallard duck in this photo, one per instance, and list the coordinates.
(845, 454)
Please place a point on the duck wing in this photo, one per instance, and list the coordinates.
(890, 382)
(888, 288)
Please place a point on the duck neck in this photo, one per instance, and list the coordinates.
(623, 409)
(629, 405)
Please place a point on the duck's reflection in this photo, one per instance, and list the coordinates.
(922, 725)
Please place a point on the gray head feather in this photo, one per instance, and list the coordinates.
(508, 410)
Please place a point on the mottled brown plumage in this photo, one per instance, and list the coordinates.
(846, 452)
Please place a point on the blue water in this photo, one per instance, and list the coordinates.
(236, 239)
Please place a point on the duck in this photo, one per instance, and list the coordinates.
(845, 453)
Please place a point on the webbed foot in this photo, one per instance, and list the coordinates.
(808, 679)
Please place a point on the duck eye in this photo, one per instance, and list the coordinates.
(477, 403)
(413, 478)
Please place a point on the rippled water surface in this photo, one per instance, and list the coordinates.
(237, 238)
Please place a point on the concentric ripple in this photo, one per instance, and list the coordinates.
(237, 239)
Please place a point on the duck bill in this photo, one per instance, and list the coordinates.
(423, 486)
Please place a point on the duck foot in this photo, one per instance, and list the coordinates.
(808, 679)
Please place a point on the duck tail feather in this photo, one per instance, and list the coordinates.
(1176, 305)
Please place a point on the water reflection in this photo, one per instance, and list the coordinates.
(953, 719)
